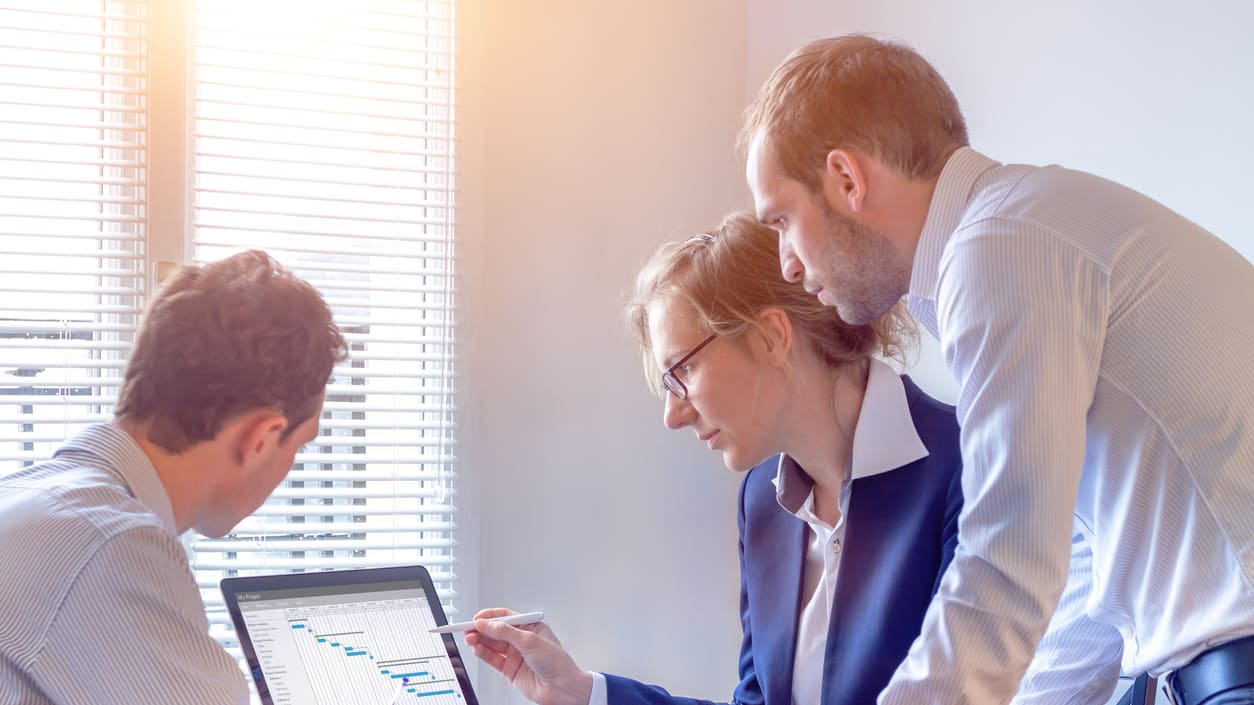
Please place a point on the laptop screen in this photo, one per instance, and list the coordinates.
(344, 637)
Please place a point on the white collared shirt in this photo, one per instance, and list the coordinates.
(1102, 344)
(883, 439)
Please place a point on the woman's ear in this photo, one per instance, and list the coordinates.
(776, 334)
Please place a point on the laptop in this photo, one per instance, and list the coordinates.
(347, 637)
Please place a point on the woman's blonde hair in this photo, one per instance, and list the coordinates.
(729, 275)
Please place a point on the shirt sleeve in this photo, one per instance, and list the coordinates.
(132, 630)
(1077, 661)
(1022, 320)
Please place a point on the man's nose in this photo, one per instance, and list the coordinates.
(789, 264)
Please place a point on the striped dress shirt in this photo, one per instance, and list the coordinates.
(1101, 343)
(97, 603)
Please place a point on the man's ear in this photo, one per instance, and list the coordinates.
(776, 334)
(257, 434)
(844, 179)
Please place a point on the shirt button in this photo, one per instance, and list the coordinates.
(836, 546)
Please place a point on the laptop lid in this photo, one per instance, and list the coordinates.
(347, 636)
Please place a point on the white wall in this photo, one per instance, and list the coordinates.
(1153, 94)
(590, 132)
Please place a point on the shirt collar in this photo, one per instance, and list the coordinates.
(884, 439)
(949, 202)
(117, 452)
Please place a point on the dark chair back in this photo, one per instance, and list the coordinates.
(1141, 692)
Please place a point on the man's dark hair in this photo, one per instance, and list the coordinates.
(224, 339)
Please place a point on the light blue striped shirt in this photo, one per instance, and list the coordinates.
(1102, 345)
(97, 603)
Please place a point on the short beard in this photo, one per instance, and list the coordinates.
(881, 278)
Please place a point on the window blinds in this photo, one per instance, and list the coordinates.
(73, 171)
(323, 133)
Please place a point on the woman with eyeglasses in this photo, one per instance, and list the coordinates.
(849, 509)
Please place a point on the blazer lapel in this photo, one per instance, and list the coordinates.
(778, 604)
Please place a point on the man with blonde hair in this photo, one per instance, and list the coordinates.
(1099, 340)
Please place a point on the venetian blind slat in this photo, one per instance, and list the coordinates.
(73, 193)
(326, 137)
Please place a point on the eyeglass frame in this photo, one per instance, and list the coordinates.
(671, 382)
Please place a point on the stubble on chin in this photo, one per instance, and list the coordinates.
(874, 284)
(867, 308)
(853, 314)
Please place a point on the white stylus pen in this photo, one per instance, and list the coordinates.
(525, 618)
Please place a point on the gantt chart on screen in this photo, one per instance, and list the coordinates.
(350, 648)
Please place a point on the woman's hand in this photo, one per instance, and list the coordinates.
(531, 658)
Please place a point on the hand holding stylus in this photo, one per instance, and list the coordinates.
(531, 658)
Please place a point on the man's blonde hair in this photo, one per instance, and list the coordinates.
(858, 93)
(728, 276)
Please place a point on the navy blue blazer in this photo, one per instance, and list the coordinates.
(901, 532)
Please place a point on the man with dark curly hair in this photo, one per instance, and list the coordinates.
(224, 385)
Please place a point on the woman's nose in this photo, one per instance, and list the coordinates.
(678, 412)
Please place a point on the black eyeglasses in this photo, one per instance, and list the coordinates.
(671, 381)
